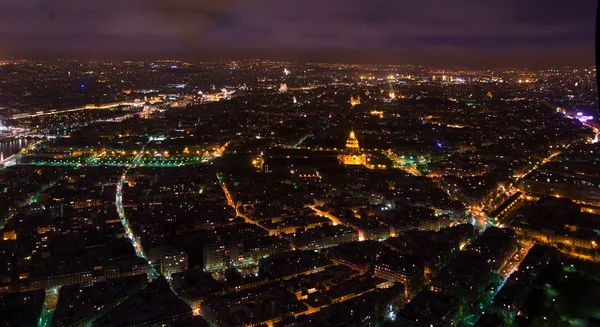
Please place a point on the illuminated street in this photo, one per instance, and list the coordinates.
(325, 214)
(52, 295)
(121, 211)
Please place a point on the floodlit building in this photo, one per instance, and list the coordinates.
(352, 155)
(173, 261)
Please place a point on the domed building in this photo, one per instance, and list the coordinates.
(352, 155)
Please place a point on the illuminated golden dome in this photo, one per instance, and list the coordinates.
(352, 155)
(352, 144)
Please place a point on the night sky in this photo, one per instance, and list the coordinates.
(443, 32)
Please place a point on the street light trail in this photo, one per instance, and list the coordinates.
(121, 211)
(49, 306)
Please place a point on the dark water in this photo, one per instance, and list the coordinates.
(11, 146)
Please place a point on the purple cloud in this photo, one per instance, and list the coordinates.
(192, 28)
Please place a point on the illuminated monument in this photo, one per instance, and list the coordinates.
(352, 154)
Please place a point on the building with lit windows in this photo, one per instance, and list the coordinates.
(217, 257)
(173, 261)
(321, 237)
(407, 270)
(243, 254)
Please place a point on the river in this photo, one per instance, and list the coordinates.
(9, 147)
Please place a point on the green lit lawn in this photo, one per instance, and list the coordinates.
(567, 295)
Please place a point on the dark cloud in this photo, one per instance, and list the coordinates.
(191, 17)
(290, 28)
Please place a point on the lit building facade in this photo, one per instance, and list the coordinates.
(173, 261)
(410, 275)
(217, 257)
(352, 155)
